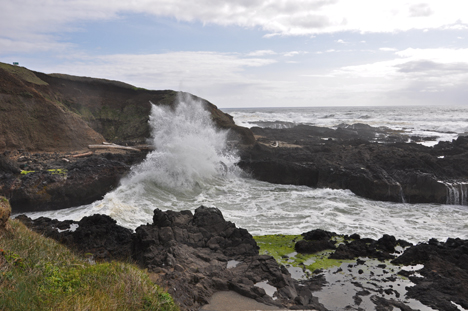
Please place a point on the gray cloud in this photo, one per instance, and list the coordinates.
(420, 10)
(432, 93)
(431, 67)
(311, 21)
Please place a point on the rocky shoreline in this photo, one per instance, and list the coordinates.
(375, 163)
(194, 255)
(50, 119)
(361, 160)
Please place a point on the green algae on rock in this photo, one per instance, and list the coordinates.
(281, 247)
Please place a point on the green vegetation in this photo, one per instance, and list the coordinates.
(92, 80)
(58, 171)
(55, 171)
(37, 273)
(281, 247)
(23, 74)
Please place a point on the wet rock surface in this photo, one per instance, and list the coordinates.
(372, 279)
(194, 255)
(374, 163)
(443, 280)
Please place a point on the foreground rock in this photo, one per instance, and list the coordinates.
(443, 280)
(371, 162)
(191, 255)
(438, 272)
(196, 255)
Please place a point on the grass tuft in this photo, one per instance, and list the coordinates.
(38, 273)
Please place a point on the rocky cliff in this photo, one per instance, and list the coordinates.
(57, 112)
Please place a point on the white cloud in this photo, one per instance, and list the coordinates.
(20, 19)
(205, 74)
(420, 10)
(388, 49)
(413, 61)
(412, 75)
(294, 53)
(261, 53)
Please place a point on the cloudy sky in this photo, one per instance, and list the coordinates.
(252, 53)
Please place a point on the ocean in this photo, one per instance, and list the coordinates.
(191, 166)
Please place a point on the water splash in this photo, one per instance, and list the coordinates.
(457, 193)
(189, 150)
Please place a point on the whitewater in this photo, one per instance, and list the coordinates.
(191, 166)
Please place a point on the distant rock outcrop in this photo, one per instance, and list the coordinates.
(360, 161)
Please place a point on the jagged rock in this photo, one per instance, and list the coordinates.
(194, 250)
(97, 234)
(189, 253)
(310, 247)
(445, 273)
(318, 240)
(381, 249)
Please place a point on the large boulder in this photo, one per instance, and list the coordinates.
(198, 254)
(98, 235)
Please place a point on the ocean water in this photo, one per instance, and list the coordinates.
(439, 123)
(191, 167)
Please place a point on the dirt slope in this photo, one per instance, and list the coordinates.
(30, 120)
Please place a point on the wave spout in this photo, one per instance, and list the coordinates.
(189, 150)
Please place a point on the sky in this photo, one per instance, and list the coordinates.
(252, 53)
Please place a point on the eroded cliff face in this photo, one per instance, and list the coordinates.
(56, 112)
(31, 120)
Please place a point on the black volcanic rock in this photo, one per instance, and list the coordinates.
(353, 158)
(192, 255)
(191, 252)
(445, 273)
(80, 182)
(97, 234)
(315, 241)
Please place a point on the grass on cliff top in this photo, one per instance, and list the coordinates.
(23, 74)
(38, 273)
(281, 247)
